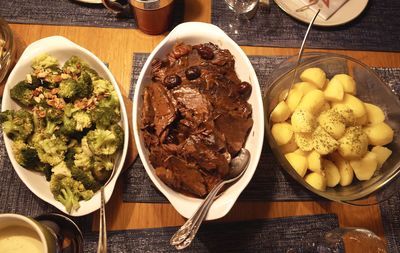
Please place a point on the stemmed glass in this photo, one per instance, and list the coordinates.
(243, 10)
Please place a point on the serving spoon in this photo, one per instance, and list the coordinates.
(185, 235)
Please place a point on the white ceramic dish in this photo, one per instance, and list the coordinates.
(195, 33)
(349, 11)
(62, 49)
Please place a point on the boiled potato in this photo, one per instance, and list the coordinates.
(302, 121)
(312, 102)
(316, 180)
(365, 167)
(382, 154)
(323, 143)
(282, 132)
(305, 87)
(314, 161)
(361, 121)
(298, 162)
(281, 112)
(348, 83)
(289, 147)
(379, 134)
(315, 76)
(345, 170)
(346, 113)
(304, 141)
(331, 173)
(374, 113)
(353, 144)
(294, 98)
(333, 123)
(355, 104)
(334, 90)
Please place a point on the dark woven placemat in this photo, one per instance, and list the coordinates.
(270, 235)
(269, 183)
(70, 12)
(377, 28)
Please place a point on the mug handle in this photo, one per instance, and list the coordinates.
(117, 8)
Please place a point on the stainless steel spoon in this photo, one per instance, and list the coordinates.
(185, 235)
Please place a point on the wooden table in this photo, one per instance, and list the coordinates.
(116, 47)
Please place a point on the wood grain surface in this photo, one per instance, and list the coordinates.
(116, 47)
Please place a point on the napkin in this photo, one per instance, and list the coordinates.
(327, 7)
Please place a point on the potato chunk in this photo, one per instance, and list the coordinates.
(304, 141)
(305, 87)
(312, 102)
(294, 98)
(289, 147)
(323, 143)
(314, 161)
(298, 162)
(349, 85)
(331, 173)
(282, 132)
(346, 113)
(374, 113)
(382, 154)
(334, 90)
(316, 180)
(333, 123)
(379, 134)
(353, 144)
(365, 167)
(355, 104)
(315, 76)
(345, 170)
(303, 121)
(281, 112)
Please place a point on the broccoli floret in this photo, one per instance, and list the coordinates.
(50, 150)
(61, 169)
(68, 191)
(44, 61)
(82, 159)
(85, 85)
(119, 133)
(110, 101)
(39, 123)
(86, 178)
(68, 88)
(102, 167)
(70, 109)
(25, 155)
(17, 125)
(103, 142)
(105, 117)
(22, 92)
(102, 86)
(74, 65)
(54, 118)
(83, 120)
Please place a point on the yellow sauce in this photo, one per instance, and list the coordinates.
(17, 239)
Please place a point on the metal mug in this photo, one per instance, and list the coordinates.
(152, 16)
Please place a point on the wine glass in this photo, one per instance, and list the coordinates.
(243, 10)
(333, 241)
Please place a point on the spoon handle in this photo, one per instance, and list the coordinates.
(185, 235)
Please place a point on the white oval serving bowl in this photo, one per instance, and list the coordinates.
(62, 49)
(194, 33)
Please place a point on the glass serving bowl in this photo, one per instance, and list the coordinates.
(370, 88)
(7, 50)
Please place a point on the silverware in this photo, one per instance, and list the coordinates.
(185, 235)
(301, 53)
(305, 7)
(102, 243)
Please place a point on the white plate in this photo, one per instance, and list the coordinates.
(62, 49)
(346, 13)
(194, 33)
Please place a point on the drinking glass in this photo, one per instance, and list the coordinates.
(243, 10)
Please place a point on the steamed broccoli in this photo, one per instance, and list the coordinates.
(85, 85)
(102, 86)
(82, 119)
(110, 101)
(104, 117)
(51, 150)
(102, 167)
(54, 118)
(17, 125)
(103, 142)
(82, 159)
(70, 109)
(68, 191)
(75, 66)
(61, 169)
(86, 178)
(22, 92)
(44, 61)
(25, 155)
(68, 88)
